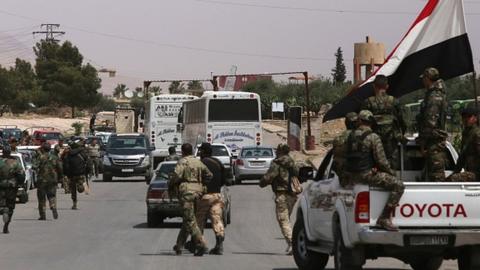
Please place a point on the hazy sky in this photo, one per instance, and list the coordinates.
(183, 39)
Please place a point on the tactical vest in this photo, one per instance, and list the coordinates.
(359, 156)
(442, 112)
(382, 109)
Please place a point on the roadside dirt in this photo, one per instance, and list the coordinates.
(25, 121)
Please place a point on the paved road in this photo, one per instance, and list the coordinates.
(109, 232)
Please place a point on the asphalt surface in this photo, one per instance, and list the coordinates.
(109, 231)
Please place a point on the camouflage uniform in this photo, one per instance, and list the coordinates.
(174, 157)
(11, 176)
(469, 157)
(389, 121)
(432, 135)
(278, 177)
(62, 151)
(340, 149)
(367, 164)
(49, 168)
(189, 177)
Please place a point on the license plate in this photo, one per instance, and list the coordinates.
(429, 240)
(127, 170)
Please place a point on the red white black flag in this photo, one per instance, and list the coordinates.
(438, 38)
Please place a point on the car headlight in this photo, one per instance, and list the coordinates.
(146, 161)
(106, 161)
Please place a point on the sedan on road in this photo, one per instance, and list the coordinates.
(159, 203)
(253, 162)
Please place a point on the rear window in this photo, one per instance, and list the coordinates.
(164, 170)
(50, 136)
(126, 142)
(217, 151)
(257, 152)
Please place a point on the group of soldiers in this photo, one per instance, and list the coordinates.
(367, 152)
(197, 184)
(63, 164)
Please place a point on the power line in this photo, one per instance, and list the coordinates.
(50, 33)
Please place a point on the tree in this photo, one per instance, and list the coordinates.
(194, 85)
(176, 87)
(154, 90)
(339, 73)
(119, 91)
(25, 83)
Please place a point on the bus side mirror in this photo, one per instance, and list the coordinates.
(180, 127)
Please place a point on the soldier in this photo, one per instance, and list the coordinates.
(11, 176)
(278, 176)
(75, 166)
(431, 126)
(189, 178)
(339, 148)
(388, 116)
(172, 154)
(212, 203)
(49, 168)
(367, 164)
(469, 157)
(61, 150)
(94, 156)
(13, 144)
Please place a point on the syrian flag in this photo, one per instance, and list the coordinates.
(438, 38)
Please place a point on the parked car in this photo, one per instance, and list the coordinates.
(11, 131)
(223, 153)
(253, 162)
(29, 153)
(22, 193)
(127, 155)
(161, 206)
(50, 135)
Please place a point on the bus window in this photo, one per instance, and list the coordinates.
(233, 110)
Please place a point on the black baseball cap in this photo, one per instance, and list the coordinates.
(469, 111)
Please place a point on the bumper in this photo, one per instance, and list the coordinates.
(249, 173)
(165, 209)
(124, 171)
(461, 237)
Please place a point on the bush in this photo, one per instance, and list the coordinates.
(77, 126)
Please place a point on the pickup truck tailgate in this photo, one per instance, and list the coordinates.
(432, 205)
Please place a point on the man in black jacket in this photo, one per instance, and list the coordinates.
(75, 167)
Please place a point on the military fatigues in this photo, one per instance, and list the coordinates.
(11, 177)
(469, 157)
(432, 135)
(190, 177)
(389, 121)
(339, 158)
(49, 168)
(278, 176)
(367, 164)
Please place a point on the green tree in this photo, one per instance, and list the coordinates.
(105, 104)
(194, 85)
(339, 73)
(154, 90)
(176, 87)
(119, 91)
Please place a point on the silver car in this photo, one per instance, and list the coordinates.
(253, 162)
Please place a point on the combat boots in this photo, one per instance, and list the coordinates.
(43, 216)
(384, 221)
(6, 220)
(218, 249)
(200, 249)
(177, 249)
(74, 207)
(55, 213)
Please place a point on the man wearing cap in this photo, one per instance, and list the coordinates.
(367, 164)
(281, 169)
(431, 126)
(469, 158)
(75, 167)
(388, 117)
(340, 149)
(49, 168)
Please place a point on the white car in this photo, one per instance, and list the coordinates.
(224, 154)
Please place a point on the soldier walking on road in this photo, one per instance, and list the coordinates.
(189, 179)
(278, 175)
(11, 177)
(75, 166)
(49, 168)
(431, 126)
(367, 164)
(94, 157)
(388, 116)
(62, 152)
(469, 157)
(340, 148)
(172, 154)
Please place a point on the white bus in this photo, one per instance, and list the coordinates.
(229, 117)
(161, 118)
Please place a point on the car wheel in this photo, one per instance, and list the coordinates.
(427, 264)
(343, 255)
(304, 258)
(469, 258)
(23, 198)
(107, 178)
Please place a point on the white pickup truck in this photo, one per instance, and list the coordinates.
(436, 221)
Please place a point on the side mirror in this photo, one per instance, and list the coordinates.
(305, 173)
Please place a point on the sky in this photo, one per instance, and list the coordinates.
(191, 39)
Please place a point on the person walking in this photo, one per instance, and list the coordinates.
(11, 177)
(49, 168)
(172, 154)
(62, 150)
(75, 167)
(189, 179)
(278, 176)
(93, 150)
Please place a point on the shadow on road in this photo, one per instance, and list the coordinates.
(163, 253)
(259, 253)
(166, 225)
(334, 269)
(120, 181)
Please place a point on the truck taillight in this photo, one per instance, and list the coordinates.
(362, 207)
(157, 194)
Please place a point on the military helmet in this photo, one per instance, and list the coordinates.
(46, 147)
(351, 117)
(431, 73)
(366, 115)
(283, 148)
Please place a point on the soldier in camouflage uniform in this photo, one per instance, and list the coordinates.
(431, 126)
(49, 169)
(11, 177)
(469, 157)
(62, 151)
(172, 154)
(278, 176)
(189, 179)
(340, 148)
(75, 167)
(388, 116)
(367, 164)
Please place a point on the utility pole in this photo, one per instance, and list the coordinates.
(50, 32)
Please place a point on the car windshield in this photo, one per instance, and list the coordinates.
(8, 133)
(164, 170)
(51, 136)
(126, 142)
(257, 152)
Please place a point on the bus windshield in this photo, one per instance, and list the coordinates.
(233, 110)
